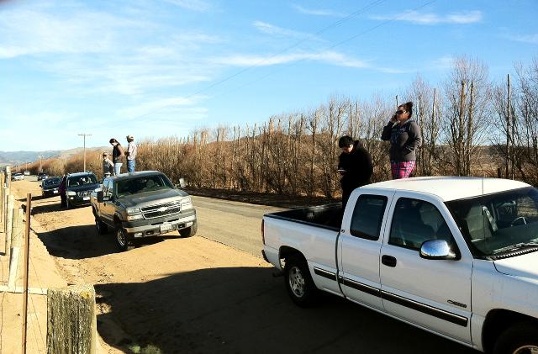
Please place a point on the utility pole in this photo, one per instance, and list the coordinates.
(84, 135)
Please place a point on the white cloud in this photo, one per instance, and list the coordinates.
(524, 38)
(194, 5)
(421, 18)
(318, 12)
(329, 57)
(270, 29)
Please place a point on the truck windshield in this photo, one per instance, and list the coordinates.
(142, 184)
(499, 225)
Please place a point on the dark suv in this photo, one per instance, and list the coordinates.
(78, 187)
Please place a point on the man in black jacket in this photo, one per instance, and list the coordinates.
(354, 165)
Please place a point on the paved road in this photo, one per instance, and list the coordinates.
(232, 223)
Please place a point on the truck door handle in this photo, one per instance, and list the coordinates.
(389, 261)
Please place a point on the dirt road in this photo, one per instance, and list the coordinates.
(197, 295)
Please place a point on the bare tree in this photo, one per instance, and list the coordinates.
(427, 115)
(464, 124)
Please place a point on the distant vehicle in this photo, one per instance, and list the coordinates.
(78, 188)
(41, 176)
(49, 186)
(17, 176)
(27, 173)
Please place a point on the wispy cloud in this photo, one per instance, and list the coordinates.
(524, 38)
(318, 12)
(328, 57)
(273, 30)
(422, 18)
(194, 5)
(41, 32)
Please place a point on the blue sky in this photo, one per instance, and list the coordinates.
(164, 68)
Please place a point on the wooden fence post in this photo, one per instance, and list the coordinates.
(9, 222)
(3, 201)
(17, 236)
(71, 320)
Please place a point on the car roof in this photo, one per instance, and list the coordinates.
(448, 188)
(129, 175)
(78, 174)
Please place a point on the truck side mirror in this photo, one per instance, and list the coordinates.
(100, 196)
(437, 249)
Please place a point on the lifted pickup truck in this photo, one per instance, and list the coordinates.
(142, 204)
(455, 256)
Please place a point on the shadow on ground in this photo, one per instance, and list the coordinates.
(247, 310)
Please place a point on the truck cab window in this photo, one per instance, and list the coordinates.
(416, 221)
(367, 216)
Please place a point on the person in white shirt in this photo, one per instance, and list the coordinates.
(131, 153)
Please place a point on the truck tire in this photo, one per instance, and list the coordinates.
(189, 231)
(122, 240)
(519, 339)
(299, 283)
(101, 227)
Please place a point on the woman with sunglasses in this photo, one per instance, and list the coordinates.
(404, 135)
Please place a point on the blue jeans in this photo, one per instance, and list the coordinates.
(117, 168)
(131, 165)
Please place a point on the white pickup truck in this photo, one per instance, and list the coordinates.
(455, 256)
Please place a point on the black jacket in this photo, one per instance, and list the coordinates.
(358, 167)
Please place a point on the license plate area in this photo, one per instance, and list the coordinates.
(166, 227)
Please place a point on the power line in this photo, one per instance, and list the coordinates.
(324, 29)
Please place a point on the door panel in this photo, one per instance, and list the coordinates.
(434, 294)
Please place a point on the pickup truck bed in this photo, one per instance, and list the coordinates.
(327, 216)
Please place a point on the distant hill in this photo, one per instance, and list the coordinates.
(20, 157)
(13, 158)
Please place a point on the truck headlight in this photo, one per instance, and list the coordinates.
(71, 193)
(134, 214)
(186, 203)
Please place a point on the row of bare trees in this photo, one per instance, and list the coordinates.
(470, 126)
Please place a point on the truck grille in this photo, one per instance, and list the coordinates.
(159, 210)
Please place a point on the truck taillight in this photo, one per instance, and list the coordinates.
(263, 233)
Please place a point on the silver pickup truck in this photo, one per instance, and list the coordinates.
(142, 204)
(454, 256)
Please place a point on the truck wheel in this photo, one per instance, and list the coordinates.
(299, 283)
(123, 241)
(519, 339)
(101, 227)
(189, 231)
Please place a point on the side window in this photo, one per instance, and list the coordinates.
(415, 221)
(367, 216)
(108, 188)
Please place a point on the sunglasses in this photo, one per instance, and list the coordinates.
(400, 111)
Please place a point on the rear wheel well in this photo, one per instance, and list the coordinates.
(498, 321)
(287, 252)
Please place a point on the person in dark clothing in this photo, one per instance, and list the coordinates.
(354, 165)
(62, 191)
(117, 155)
(405, 138)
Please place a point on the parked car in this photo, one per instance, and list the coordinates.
(17, 176)
(27, 173)
(142, 204)
(78, 187)
(49, 186)
(41, 176)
